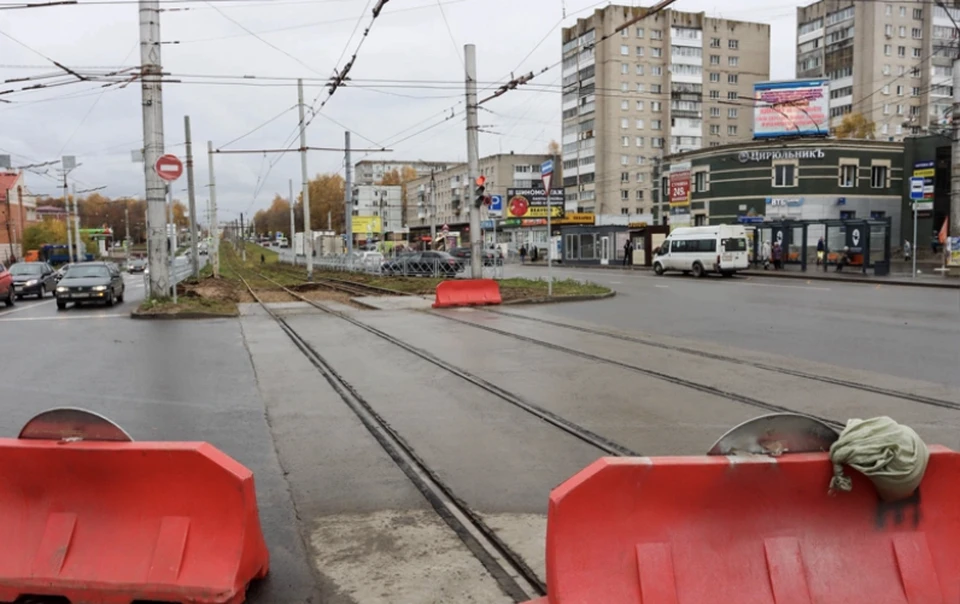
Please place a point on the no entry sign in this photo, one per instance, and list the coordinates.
(168, 167)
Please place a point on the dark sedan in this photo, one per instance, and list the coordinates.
(90, 282)
(32, 279)
(425, 264)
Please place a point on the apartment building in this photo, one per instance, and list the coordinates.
(385, 201)
(18, 208)
(890, 61)
(669, 83)
(371, 172)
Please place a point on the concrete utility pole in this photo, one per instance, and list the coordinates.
(473, 159)
(243, 240)
(214, 225)
(126, 229)
(307, 229)
(954, 226)
(348, 196)
(194, 257)
(293, 224)
(433, 209)
(152, 100)
(10, 225)
(66, 208)
(76, 226)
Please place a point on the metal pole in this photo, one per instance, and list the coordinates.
(126, 230)
(550, 243)
(194, 256)
(9, 225)
(307, 229)
(173, 241)
(293, 224)
(914, 239)
(66, 207)
(76, 226)
(152, 100)
(473, 158)
(433, 209)
(214, 226)
(243, 240)
(954, 227)
(348, 197)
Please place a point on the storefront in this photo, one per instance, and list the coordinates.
(805, 179)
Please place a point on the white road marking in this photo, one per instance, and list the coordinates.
(64, 318)
(662, 286)
(616, 282)
(20, 308)
(822, 289)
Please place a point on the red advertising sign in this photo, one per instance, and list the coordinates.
(679, 183)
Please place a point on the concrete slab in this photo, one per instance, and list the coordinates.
(394, 302)
(372, 536)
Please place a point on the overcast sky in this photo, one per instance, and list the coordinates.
(407, 75)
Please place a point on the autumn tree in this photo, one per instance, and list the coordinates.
(48, 231)
(855, 125)
(553, 148)
(275, 218)
(400, 178)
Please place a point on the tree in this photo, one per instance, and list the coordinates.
(275, 218)
(553, 148)
(49, 231)
(180, 217)
(326, 196)
(855, 125)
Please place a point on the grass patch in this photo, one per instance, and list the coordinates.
(189, 304)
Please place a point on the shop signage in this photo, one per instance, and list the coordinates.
(749, 156)
(679, 183)
(783, 202)
(532, 203)
(637, 225)
(576, 218)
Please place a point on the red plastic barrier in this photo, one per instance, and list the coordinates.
(113, 522)
(699, 530)
(467, 292)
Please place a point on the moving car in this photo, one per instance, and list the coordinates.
(700, 250)
(6, 286)
(61, 272)
(426, 264)
(464, 253)
(90, 282)
(32, 279)
(137, 265)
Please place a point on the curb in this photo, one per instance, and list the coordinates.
(560, 299)
(186, 316)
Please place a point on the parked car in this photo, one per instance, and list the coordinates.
(6, 286)
(426, 264)
(137, 265)
(90, 282)
(32, 279)
(464, 253)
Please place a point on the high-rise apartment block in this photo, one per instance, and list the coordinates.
(671, 82)
(889, 61)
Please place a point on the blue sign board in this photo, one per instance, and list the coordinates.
(496, 203)
(487, 225)
(924, 165)
(546, 167)
(916, 187)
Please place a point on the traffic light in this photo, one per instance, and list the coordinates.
(482, 198)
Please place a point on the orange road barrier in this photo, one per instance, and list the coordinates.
(467, 292)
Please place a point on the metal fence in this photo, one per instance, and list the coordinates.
(180, 269)
(407, 265)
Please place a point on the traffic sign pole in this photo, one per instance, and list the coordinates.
(546, 174)
(916, 194)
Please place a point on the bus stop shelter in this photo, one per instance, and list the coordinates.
(866, 240)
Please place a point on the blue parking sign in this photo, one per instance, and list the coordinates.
(496, 203)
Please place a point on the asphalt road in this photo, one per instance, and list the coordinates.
(910, 332)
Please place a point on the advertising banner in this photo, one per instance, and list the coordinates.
(679, 183)
(532, 203)
(791, 108)
(366, 224)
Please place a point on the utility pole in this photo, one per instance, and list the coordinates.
(66, 208)
(954, 227)
(9, 225)
(433, 209)
(126, 229)
(293, 225)
(243, 240)
(214, 225)
(152, 100)
(194, 257)
(348, 197)
(76, 226)
(473, 158)
(307, 230)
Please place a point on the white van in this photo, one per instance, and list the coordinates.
(700, 250)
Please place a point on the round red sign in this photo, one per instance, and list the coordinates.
(168, 167)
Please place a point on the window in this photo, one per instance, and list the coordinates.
(624, 50)
(903, 11)
(888, 10)
(785, 175)
(639, 124)
(714, 77)
(640, 107)
(639, 51)
(715, 129)
(656, 52)
(915, 91)
(641, 160)
(887, 50)
(714, 59)
(732, 113)
(624, 87)
(624, 123)
(901, 51)
(714, 42)
(624, 196)
(624, 210)
(733, 61)
(655, 124)
(624, 105)
(714, 112)
(656, 88)
(888, 29)
(639, 69)
(916, 33)
(714, 94)
(885, 129)
(624, 177)
(624, 141)
(640, 177)
(732, 95)
(656, 34)
(655, 107)
(899, 109)
(639, 195)
(733, 44)
(624, 68)
(731, 130)
(878, 177)
(624, 33)
(656, 70)
(886, 70)
(918, 13)
(692, 246)
(639, 141)
(700, 181)
(624, 160)
(732, 78)
(886, 108)
(848, 175)
(916, 53)
(902, 30)
(886, 89)
(901, 70)
(657, 143)
(639, 32)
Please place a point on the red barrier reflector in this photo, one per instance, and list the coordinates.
(467, 292)
(751, 530)
(114, 522)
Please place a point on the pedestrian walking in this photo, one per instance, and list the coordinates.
(535, 254)
(627, 253)
(907, 251)
(821, 248)
(765, 253)
(523, 254)
(263, 259)
(777, 256)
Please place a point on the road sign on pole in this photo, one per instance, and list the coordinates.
(168, 167)
(916, 187)
(546, 174)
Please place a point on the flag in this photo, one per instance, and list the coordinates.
(943, 231)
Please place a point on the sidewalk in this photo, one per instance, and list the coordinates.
(927, 279)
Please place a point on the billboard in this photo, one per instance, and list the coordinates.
(361, 225)
(679, 183)
(791, 108)
(532, 203)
